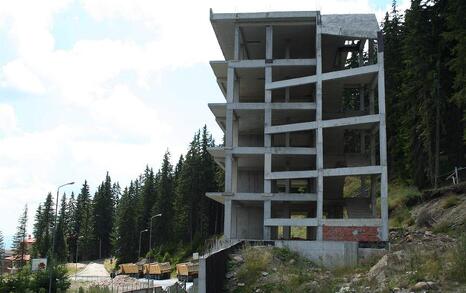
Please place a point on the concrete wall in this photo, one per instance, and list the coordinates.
(251, 181)
(212, 269)
(247, 221)
(327, 253)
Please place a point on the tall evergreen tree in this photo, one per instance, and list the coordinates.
(83, 229)
(456, 33)
(147, 198)
(209, 209)
(393, 37)
(61, 248)
(185, 193)
(19, 244)
(70, 225)
(126, 241)
(103, 215)
(164, 203)
(43, 227)
(2, 252)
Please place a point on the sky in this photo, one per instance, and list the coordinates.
(90, 86)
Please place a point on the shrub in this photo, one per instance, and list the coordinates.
(60, 281)
(98, 289)
(255, 262)
(27, 281)
(401, 218)
(458, 269)
(424, 218)
(451, 201)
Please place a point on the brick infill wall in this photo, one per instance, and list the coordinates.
(355, 233)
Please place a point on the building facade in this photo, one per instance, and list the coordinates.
(304, 121)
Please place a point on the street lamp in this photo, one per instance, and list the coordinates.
(150, 233)
(140, 235)
(54, 232)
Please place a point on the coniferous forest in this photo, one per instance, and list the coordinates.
(110, 222)
(425, 75)
(425, 78)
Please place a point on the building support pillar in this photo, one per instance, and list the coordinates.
(267, 123)
(382, 138)
(319, 130)
(227, 221)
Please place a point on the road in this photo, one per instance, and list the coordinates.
(93, 271)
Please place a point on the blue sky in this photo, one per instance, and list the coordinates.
(90, 86)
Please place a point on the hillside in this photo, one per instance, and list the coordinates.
(427, 254)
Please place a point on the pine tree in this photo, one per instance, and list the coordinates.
(2, 252)
(43, 227)
(37, 231)
(126, 241)
(70, 225)
(456, 33)
(393, 37)
(164, 203)
(82, 229)
(147, 200)
(61, 248)
(417, 74)
(185, 193)
(103, 216)
(19, 244)
(209, 214)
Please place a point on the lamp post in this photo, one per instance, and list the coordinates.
(150, 233)
(54, 236)
(140, 235)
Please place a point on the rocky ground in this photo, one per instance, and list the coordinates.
(427, 256)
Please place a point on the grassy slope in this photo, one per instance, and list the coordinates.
(416, 253)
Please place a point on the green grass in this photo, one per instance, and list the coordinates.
(399, 193)
(285, 270)
(450, 201)
(457, 271)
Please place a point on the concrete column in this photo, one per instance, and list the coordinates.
(228, 172)
(235, 137)
(234, 175)
(319, 130)
(267, 215)
(227, 220)
(229, 142)
(373, 158)
(267, 123)
(382, 138)
(237, 43)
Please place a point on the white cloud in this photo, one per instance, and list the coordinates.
(7, 119)
(17, 75)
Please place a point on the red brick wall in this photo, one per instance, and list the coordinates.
(369, 234)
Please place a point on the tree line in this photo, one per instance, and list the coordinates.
(425, 78)
(110, 222)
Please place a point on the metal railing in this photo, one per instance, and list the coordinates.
(454, 176)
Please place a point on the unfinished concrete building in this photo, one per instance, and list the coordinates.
(304, 122)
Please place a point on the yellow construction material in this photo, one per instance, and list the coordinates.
(157, 268)
(129, 268)
(187, 269)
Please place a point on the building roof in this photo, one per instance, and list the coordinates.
(349, 25)
(26, 257)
